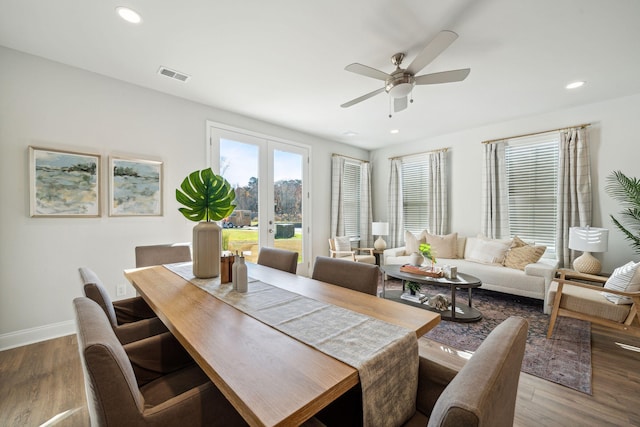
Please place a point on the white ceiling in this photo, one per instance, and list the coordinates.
(282, 61)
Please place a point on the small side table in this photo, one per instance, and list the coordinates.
(377, 253)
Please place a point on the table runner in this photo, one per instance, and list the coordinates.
(385, 355)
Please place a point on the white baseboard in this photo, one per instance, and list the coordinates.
(37, 334)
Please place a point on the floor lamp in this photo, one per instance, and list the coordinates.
(588, 239)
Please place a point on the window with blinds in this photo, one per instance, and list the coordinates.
(351, 198)
(415, 176)
(532, 186)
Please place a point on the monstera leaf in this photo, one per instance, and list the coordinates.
(207, 196)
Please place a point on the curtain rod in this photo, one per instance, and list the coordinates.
(418, 154)
(491, 141)
(349, 157)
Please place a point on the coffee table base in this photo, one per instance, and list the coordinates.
(464, 313)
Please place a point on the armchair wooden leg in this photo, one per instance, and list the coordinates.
(554, 312)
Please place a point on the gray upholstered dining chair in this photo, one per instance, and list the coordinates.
(162, 254)
(115, 397)
(131, 319)
(280, 259)
(483, 392)
(353, 275)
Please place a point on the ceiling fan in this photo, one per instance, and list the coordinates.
(400, 83)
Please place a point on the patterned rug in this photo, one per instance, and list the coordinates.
(564, 359)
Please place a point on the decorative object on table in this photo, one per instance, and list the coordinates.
(226, 264)
(588, 239)
(450, 271)
(380, 229)
(135, 187)
(234, 271)
(422, 271)
(209, 197)
(416, 259)
(63, 183)
(439, 302)
(627, 191)
(427, 253)
(241, 276)
(414, 287)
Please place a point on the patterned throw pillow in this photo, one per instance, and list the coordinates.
(625, 279)
(343, 244)
(487, 251)
(443, 246)
(520, 254)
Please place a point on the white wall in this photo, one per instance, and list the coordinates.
(48, 104)
(613, 142)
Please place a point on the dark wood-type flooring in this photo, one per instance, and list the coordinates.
(42, 384)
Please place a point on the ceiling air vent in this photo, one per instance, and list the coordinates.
(173, 74)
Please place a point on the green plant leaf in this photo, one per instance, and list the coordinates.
(206, 196)
(626, 190)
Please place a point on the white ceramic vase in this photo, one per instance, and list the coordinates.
(416, 259)
(207, 245)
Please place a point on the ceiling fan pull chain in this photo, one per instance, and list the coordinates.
(411, 96)
(389, 107)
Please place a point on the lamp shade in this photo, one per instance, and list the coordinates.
(380, 228)
(588, 239)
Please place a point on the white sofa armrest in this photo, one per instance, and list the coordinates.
(544, 268)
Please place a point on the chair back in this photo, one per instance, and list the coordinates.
(162, 254)
(353, 275)
(280, 259)
(112, 392)
(484, 392)
(94, 289)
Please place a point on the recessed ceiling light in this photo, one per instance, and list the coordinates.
(394, 131)
(129, 15)
(574, 85)
(350, 133)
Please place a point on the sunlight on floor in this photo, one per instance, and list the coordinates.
(628, 347)
(61, 416)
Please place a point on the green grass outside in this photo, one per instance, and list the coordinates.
(238, 239)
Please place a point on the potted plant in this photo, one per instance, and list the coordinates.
(427, 253)
(206, 197)
(627, 191)
(414, 288)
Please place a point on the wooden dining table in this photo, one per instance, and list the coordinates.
(270, 378)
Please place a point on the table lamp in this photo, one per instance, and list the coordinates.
(380, 229)
(588, 239)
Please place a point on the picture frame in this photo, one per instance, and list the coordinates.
(64, 184)
(135, 187)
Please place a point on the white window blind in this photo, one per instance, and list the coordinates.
(532, 185)
(415, 176)
(351, 199)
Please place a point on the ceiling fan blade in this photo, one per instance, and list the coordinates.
(362, 98)
(363, 70)
(432, 50)
(443, 77)
(399, 104)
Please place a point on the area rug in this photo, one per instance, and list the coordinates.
(564, 359)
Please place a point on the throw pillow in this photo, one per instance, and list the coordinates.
(487, 251)
(343, 244)
(443, 246)
(520, 254)
(412, 243)
(625, 279)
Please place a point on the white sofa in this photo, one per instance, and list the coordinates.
(533, 281)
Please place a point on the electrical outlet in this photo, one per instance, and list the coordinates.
(121, 290)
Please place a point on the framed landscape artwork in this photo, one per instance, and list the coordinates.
(63, 183)
(135, 187)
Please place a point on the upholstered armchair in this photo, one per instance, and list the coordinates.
(340, 247)
(358, 276)
(483, 392)
(184, 397)
(131, 319)
(594, 303)
(280, 259)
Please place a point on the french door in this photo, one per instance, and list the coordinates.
(270, 178)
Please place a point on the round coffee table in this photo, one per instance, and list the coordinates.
(457, 312)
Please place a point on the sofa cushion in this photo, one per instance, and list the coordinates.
(443, 246)
(487, 251)
(412, 243)
(521, 254)
(624, 279)
(584, 300)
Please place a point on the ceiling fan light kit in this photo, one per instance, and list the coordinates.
(399, 84)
